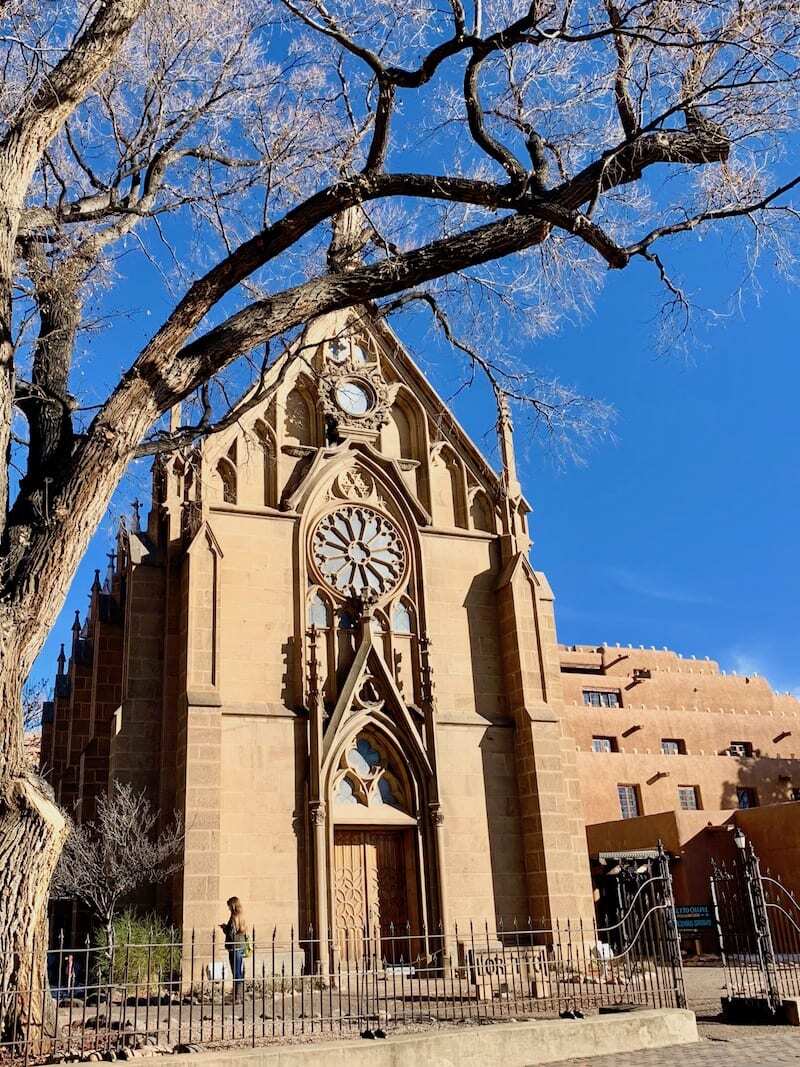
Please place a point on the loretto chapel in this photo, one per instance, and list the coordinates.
(327, 647)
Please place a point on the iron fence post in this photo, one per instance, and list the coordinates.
(673, 937)
(758, 910)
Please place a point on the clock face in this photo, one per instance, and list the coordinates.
(354, 398)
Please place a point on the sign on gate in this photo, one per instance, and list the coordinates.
(693, 917)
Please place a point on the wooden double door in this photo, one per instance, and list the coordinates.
(375, 893)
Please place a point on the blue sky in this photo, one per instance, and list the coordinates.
(681, 530)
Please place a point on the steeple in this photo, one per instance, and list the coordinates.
(505, 434)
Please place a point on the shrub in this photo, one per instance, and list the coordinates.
(144, 946)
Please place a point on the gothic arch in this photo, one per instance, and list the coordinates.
(448, 488)
(381, 489)
(228, 477)
(403, 439)
(481, 512)
(373, 775)
(269, 451)
(300, 415)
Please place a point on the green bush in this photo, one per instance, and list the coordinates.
(143, 945)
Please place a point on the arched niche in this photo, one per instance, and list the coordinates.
(300, 415)
(481, 512)
(404, 646)
(265, 437)
(227, 477)
(403, 439)
(448, 489)
(320, 615)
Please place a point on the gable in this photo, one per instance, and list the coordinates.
(348, 380)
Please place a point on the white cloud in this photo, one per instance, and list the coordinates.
(652, 587)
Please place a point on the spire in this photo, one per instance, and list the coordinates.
(96, 582)
(112, 556)
(505, 434)
(135, 505)
(61, 662)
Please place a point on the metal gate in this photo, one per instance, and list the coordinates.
(758, 925)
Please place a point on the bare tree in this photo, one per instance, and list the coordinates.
(33, 697)
(105, 862)
(207, 144)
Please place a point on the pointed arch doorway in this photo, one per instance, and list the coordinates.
(376, 883)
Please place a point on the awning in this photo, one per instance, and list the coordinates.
(630, 854)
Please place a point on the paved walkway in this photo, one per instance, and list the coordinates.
(753, 1049)
(720, 1045)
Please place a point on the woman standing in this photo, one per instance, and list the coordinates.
(236, 943)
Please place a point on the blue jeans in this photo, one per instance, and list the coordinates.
(236, 957)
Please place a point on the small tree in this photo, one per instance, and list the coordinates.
(105, 861)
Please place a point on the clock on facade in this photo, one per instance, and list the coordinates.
(354, 397)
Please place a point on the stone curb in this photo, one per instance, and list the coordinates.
(509, 1044)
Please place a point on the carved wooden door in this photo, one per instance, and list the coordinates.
(371, 893)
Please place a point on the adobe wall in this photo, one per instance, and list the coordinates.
(775, 834)
(690, 700)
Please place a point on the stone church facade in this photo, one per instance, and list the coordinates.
(327, 648)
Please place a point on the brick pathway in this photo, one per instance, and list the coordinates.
(759, 1047)
(720, 1045)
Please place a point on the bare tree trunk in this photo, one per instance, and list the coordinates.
(32, 832)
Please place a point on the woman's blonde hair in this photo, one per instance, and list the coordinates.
(237, 914)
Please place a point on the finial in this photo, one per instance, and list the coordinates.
(109, 571)
(136, 504)
(76, 626)
(61, 661)
(96, 582)
(505, 430)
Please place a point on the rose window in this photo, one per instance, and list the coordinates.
(358, 552)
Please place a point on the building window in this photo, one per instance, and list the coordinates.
(741, 749)
(746, 797)
(604, 744)
(629, 801)
(598, 698)
(673, 746)
(689, 798)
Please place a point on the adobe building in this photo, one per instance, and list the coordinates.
(327, 648)
(672, 750)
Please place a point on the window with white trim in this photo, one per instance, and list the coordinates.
(629, 805)
(602, 698)
(604, 744)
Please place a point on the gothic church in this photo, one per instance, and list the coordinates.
(327, 648)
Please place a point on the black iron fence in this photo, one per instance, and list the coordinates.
(758, 924)
(174, 996)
